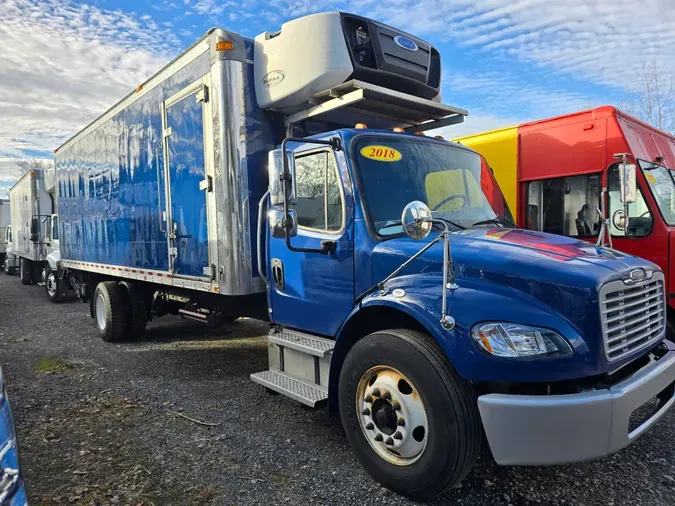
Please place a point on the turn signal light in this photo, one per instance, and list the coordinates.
(361, 126)
(224, 45)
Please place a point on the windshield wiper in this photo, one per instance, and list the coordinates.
(495, 221)
(451, 223)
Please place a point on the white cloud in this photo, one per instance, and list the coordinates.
(603, 41)
(63, 64)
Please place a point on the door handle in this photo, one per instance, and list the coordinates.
(278, 273)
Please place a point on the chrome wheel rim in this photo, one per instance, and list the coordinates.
(51, 284)
(392, 415)
(101, 315)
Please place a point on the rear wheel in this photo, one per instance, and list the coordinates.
(411, 419)
(26, 271)
(137, 309)
(53, 286)
(110, 311)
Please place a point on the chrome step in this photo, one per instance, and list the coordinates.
(307, 393)
(306, 343)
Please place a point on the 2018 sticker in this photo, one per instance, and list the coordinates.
(650, 178)
(381, 153)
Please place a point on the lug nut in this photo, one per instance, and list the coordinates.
(398, 435)
(400, 422)
(366, 412)
(369, 399)
(386, 396)
(396, 406)
(376, 392)
(379, 438)
(370, 426)
(389, 441)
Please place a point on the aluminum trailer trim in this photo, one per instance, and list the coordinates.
(153, 276)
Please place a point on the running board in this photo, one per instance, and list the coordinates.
(299, 366)
(302, 391)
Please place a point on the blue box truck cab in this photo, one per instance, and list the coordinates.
(235, 183)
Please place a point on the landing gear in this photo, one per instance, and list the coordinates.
(412, 421)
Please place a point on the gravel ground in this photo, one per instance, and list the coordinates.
(100, 423)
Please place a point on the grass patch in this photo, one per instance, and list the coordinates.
(53, 365)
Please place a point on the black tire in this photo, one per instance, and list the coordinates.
(26, 271)
(136, 307)
(53, 285)
(454, 428)
(110, 323)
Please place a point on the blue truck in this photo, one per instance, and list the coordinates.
(12, 487)
(292, 181)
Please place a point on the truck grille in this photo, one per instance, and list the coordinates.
(632, 315)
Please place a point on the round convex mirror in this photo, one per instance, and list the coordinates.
(415, 220)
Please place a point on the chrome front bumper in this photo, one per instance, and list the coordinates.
(558, 429)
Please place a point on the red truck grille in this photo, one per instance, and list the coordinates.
(633, 315)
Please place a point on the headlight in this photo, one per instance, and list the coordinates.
(502, 339)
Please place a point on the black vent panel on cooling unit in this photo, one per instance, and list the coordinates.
(379, 59)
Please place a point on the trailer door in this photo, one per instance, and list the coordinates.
(186, 180)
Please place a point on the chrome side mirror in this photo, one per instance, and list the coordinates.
(275, 168)
(628, 183)
(275, 217)
(416, 220)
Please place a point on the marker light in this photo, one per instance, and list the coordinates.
(399, 130)
(224, 45)
(139, 88)
(511, 340)
(419, 132)
(361, 126)
(439, 137)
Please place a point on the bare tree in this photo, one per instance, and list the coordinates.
(654, 102)
(27, 164)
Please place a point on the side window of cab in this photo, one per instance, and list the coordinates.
(640, 218)
(319, 202)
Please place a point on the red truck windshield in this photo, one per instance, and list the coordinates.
(660, 181)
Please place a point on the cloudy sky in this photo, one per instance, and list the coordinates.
(63, 62)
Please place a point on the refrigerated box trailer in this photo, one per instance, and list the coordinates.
(33, 237)
(281, 177)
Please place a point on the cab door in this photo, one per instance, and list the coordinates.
(309, 290)
(187, 180)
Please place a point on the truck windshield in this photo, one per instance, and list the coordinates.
(660, 181)
(454, 182)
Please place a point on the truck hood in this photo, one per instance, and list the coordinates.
(562, 272)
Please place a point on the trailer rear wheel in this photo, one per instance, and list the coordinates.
(26, 271)
(137, 309)
(110, 311)
(412, 421)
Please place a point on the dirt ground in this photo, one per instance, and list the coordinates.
(173, 419)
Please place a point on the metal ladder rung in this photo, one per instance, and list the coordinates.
(305, 343)
(307, 393)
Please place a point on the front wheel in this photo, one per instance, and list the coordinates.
(412, 421)
(9, 269)
(53, 286)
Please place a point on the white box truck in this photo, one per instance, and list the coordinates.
(4, 223)
(33, 236)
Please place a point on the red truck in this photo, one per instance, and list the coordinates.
(560, 174)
